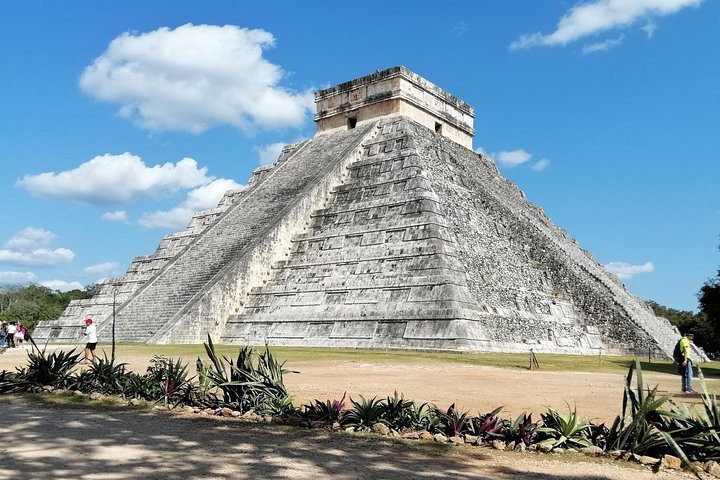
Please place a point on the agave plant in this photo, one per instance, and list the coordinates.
(327, 411)
(364, 413)
(399, 413)
(50, 368)
(245, 384)
(636, 428)
(104, 376)
(560, 430)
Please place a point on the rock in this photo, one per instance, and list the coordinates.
(380, 428)
(226, 412)
(439, 437)
(616, 454)
(520, 447)
(235, 414)
(267, 419)
(544, 447)
(48, 388)
(646, 460)
(293, 420)
(532, 447)
(425, 435)
(317, 424)
(411, 435)
(592, 450)
(350, 429)
(78, 393)
(572, 450)
(471, 439)
(712, 467)
(457, 440)
(559, 450)
(671, 462)
(249, 415)
(159, 407)
(208, 411)
(135, 402)
(61, 391)
(96, 396)
(336, 426)
(394, 434)
(498, 444)
(510, 446)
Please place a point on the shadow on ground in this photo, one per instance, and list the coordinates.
(91, 441)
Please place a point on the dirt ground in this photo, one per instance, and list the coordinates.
(88, 441)
(598, 396)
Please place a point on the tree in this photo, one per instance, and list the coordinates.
(33, 303)
(709, 298)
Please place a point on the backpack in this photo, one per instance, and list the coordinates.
(677, 354)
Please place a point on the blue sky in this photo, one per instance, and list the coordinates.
(120, 119)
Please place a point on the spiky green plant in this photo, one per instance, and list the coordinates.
(559, 430)
(103, 376)
(522, 429)
(364, 413)
(50, 368)
(245, 384)
(398, 412)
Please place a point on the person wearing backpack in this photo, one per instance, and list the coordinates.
(685, 362)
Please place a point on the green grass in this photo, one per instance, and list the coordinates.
(297, 355)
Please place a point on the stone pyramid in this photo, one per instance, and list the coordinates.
(383, 231)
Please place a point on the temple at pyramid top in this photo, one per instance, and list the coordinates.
(392, 93)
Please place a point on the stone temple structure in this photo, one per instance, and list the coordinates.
(385, 230)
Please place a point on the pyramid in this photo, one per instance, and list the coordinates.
(385, 231)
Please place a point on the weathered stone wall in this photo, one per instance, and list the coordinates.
(387, 236)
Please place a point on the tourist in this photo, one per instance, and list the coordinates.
(19, 336)
(91, 341)
(3, 334)
(10, 337)
(686, 365)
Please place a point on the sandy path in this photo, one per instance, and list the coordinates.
(598, 396)
(87, 442)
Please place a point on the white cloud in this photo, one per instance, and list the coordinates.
(541, 165)
(30, 238)
(117, 216)
(61, 285)
(513, 158)
(201, 198)
(28, 247)
(195, 77)
(604, 45)
(115, 178)
(597, 16)
(270, 153)
(625, 270)
(17, 277)
(106, 268)
(649, 29)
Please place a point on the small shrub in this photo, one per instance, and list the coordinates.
(364, 413)
(567, 431)
(488, 426)
(452, 421)
(398, 412)
(328, 411)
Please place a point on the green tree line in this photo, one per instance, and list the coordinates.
(706, 323)
(30, 304)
